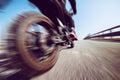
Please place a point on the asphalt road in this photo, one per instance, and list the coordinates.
(88, 60)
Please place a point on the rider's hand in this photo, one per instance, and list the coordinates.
(71, 14)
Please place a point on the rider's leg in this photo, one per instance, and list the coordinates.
(65, 17)
(49, 9)
(60, 13)
(71, 25)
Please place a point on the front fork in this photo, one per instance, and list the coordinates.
(63, 38)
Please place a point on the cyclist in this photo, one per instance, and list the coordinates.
(54, 9)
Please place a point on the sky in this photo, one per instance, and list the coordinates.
(92, 15)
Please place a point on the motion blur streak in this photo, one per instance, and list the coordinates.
(89, 60)
(4, 3)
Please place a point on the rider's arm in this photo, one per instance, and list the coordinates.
(73, 5)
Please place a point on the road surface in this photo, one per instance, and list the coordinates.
(88, 60)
